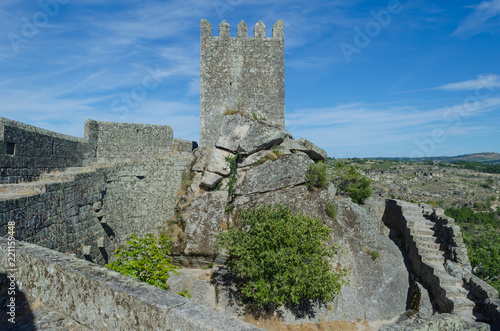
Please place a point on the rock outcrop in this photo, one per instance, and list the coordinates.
(251, 160)
(255, 163)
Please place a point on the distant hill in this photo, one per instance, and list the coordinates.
(487, 158)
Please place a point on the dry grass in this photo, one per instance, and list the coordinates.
(206, 275)
(224, 226)
(229, 111)
(276, 325)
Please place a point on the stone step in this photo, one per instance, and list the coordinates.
(425, 250)
(433, 258)
(425, 238)
(66, 175)
(437, 267)
(454, 292)
(462, 304)
(422, 224)
(446, 280)
(422, 232)
(428, 245)
(466, 314)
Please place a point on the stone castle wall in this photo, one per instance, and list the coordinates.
(129, 185)
(128, 141)
(59, 214)
(141, 196)
(27, 151)
(240, 73)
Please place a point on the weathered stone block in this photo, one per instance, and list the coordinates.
(203, 219)
(201, 156)
(234, 128)
(273, 175)
(262, 136)
(312, 150)
(210, 180)
(253, 159)
(217, 162)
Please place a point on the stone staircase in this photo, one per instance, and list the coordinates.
(428, 256)
(449, 292)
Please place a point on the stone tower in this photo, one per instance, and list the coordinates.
(240, 73)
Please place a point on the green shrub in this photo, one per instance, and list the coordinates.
(331, 209)
(375, 255)
(185, 293)
(482, 239)
(145, 259)
(317, 175)
(355, 184)
(282, 258)
(277, 151)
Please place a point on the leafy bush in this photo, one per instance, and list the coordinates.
(317, 175)
(355, 184)
(282, 258)
(185, 293)
(482, 237)
(331, 209)
(145, 259)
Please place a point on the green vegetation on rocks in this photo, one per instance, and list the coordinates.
(145, 259)
(317, 176)
(481, 233)
(282, 258)
(354, 183)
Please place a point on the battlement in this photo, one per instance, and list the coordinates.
(242, 29)
(240, 73)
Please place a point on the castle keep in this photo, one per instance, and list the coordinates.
(240, 73)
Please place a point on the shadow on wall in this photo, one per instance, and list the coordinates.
(15, 307)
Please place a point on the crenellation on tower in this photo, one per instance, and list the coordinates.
(279, 29)
(224, 29)
(259, 30)
(206, 29)
(240, 73)
(242, 29)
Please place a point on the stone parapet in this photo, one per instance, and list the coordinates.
(99, 298)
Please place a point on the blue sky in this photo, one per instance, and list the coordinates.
(362, 78)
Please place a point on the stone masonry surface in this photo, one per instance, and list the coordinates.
(240, 73)
(27, 151)
(101, 299)
(128, 142)
(89, 212)
(129, 185)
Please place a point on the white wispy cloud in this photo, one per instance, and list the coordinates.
(483, 18)
(358, 125)
(488, 81)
